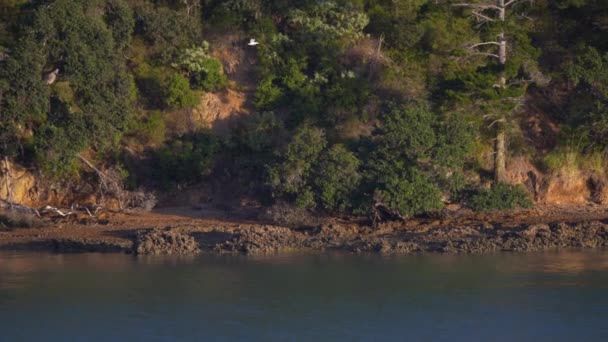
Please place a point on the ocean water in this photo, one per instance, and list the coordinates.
(557, 296)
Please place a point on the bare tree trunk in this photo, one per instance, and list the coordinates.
(502, 49)
(500, 153)
(501, 10)
(500, 165)
(9, 185)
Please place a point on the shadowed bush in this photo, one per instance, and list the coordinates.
(501, 197)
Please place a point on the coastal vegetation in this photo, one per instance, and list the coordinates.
(388, 109)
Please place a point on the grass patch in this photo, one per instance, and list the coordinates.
(570, 162)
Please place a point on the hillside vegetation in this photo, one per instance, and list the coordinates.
(388, 108)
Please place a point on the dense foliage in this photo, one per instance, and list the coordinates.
(354, 104)
(501, 197)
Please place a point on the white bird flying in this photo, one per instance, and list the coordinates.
(253, 42)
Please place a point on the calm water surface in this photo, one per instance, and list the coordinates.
(561, 296)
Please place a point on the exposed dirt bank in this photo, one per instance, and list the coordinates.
(189, 231)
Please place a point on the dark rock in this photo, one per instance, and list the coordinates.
(168, 242)
(264, 239)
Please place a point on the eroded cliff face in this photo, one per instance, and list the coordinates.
(29, 188)
(573, 187)
(17, 184)
(220, 110)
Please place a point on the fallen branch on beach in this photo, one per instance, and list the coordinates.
(50, 212)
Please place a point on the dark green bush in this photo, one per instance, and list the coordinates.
(60, 139)
(336, 178)
(290, 176)
(267, 94)
(409, 194)
(165, 28)
(88, 53)
(258, 133)
(455, 141)
(185, 160)
(413, 152)
(408, 131)
(500, 197)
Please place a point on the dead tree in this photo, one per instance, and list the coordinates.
(191, 6)
(8, 181)
(111, 185)
(485, 12)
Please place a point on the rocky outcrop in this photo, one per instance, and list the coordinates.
(265, 239)
(165, 242)
(484, 239)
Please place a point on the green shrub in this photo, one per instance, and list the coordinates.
(267, 94)
(204, 71)
(348, 92)
(501, 197)
(212, 78)
(185, 160)
(305, 198)
(409, 194)
(336, 178)
(150, 129)
(408, 130)
(454, 143)
(178, 93)
(258, 133)
(164, 27)
(60, 139)
(411, 155)
(289, 177)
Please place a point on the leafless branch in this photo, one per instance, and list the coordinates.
(486, 54)
(482, 17)
(478, 6)
(483, 44)
(502, 120)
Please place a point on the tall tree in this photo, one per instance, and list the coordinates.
(502, 81)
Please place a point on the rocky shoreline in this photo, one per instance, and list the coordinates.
(469, 240)
(183, 232)
(258, 239)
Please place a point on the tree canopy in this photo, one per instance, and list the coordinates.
(353, 105)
